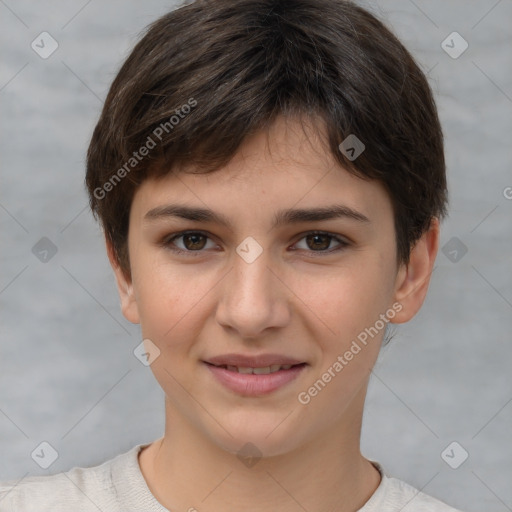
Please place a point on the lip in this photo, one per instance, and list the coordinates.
(258, 361)
(249, 384)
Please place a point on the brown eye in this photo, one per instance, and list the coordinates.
(194, 241)
(319, 241)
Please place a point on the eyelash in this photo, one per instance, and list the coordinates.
(167, 242)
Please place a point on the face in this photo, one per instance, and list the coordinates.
(252, 293)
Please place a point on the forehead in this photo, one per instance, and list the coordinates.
(288, 165)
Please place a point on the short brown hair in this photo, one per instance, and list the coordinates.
(209, 74)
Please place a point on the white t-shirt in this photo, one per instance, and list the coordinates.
(118, 485)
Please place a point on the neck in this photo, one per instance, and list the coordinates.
(185, 470)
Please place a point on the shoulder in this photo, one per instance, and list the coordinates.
(394, 494)
(413, 500)
(45, 493)
(84, 489)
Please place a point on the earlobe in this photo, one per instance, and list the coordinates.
(413, 279)
(125, 289)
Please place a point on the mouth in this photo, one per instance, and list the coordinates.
(255, 380)
(262, 370)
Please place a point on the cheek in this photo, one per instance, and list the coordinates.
(168, 299)
(174, 302)
(347, 331)
(343, 301)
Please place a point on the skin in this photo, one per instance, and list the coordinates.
(309, 303)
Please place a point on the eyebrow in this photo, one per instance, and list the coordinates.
(282, 217)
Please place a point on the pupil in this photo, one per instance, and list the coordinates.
(325, 237)
(194, 243)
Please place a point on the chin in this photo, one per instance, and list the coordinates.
(257, 440)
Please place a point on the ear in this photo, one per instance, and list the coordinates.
(124, 286)
(413, 279)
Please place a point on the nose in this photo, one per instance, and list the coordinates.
(253, 298)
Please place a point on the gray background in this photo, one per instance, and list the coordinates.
(68, 375)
